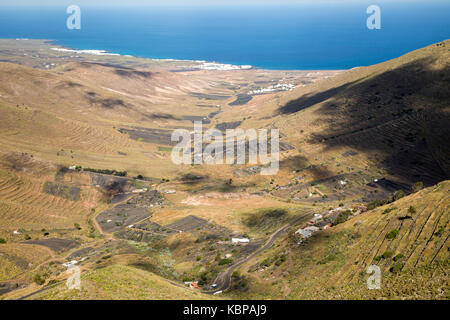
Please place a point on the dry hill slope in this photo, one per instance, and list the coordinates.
(397, 111)
(407, 239)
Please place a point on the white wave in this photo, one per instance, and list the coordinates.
(222, 66)
(94, 52)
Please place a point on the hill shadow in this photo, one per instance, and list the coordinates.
(400, 115)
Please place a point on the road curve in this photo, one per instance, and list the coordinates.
(223, 280)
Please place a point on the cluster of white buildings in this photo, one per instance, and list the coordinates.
(323, 222)
(222, 66)
(314, 225)
(273, 88)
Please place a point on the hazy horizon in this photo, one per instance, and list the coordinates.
(208, 3)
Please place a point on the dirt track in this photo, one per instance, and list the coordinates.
(223, 280)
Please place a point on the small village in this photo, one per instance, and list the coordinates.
(324, 221)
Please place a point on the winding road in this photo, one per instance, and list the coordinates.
(223, 280)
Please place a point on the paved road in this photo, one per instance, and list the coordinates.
(223, 280)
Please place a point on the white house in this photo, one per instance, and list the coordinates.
(305, 234)
(70, 263)
(316, 218)
(140, 190)
(240, 240)
(312, 229)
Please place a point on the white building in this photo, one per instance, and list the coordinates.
(305, 234)
(312, 229)
(239, 240)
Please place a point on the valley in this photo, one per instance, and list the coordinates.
(87, 178)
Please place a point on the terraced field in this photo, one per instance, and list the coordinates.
(345, 140)
(112, 283)
(25, 205)
(403, 242)
(16, 258)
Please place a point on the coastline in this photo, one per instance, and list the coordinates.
(25, 48)
(201, 64)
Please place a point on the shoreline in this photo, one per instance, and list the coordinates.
(199, 65)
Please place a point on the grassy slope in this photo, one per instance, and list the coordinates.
(46, 111)
(397, 110)
(395, 116)
(333, 263)
(124, 283)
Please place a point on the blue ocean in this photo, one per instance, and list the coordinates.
(301, 36)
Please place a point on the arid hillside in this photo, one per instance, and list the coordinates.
(406, 239)
(396, 113)
(86, 176)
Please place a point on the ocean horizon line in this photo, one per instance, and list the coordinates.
(208, 64)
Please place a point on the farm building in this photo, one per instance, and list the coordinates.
(323, 225)
(240, 240)
(302, 233)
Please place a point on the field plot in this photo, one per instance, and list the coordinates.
(122, 282)
(61, 190)
(28, 201)
(187, 224)
(122, 216)
(57, 245)
(16, 258)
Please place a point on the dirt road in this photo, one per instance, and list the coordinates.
(223, 280)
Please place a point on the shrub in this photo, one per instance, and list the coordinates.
(398, 195)
(392, 235)
(108, 172)
(2, 241)
(225, 262)
(198, 258)
(376, 203)
(342, 217)
(281, 260)
(416, 187)
(396, 268)
(398, 257)
(356, 235)
(201, 282)
(387, 254)
(77, 226)
(38, 279)
(389, 210)
(27, 237)
(412, 210)
(440, 231)
(266, 262)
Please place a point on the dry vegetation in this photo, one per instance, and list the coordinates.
(114, 114)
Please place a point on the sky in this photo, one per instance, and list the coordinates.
(110, 3)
